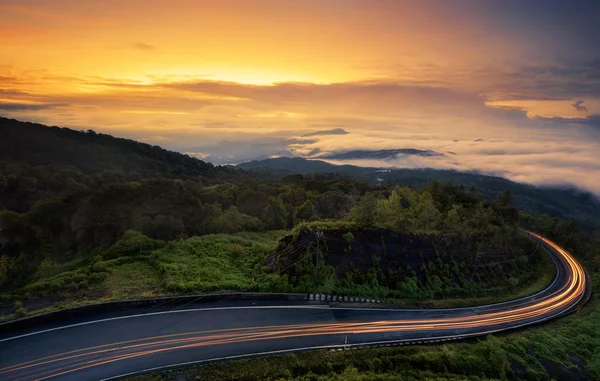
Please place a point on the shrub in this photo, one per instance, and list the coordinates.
(236, 249)
(349, 237)
(20, 311)
(45, 268)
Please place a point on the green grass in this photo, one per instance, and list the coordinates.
(138, 267)
(212, 263)
(137, 279)
(519, 355)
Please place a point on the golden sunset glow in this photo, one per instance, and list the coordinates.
(193, 74)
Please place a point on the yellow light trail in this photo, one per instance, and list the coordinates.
(554, 304)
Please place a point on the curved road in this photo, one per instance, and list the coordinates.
(125, 342)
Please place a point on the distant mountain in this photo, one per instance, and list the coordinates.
(298, 165)
(379, 154)
(36, 144)
(31, 145)
(569, 203)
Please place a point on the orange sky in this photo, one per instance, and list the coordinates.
(191, 74)
(247, 41)
(69, 46)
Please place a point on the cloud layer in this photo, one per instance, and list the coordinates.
(494, 86)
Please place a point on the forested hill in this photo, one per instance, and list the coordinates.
(66, 194)
(568, 203)
(37, 161)
(38, 145)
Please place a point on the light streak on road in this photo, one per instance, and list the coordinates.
(555, 304)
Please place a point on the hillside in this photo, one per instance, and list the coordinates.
(568, 203)
(38, 145)
(299, 165)
(67, 195)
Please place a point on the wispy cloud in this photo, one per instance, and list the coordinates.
(5, 106)
(592, 120)
(231, 122)
(142, 46)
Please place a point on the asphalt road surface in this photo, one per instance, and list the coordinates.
(125, 342)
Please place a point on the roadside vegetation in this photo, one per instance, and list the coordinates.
(413, 246)
(564, 349)
(139, 267)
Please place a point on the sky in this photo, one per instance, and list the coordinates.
(510, 88)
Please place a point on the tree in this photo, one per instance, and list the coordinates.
(294, 196)
(252, 202)
(27, 184)
(168, 227)
(229, 222)
(364, 212)
(505, 199)
(306, 212)
(505, 208)
(146, 225)
(409, 287)
(391, 212)
(275, 214)
(424, 214)
(454, 219)
(233, 221)
(290, 216)
(333, 204)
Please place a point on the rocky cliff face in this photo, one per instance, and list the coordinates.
(391, 257)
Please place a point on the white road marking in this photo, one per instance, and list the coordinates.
(323, 307)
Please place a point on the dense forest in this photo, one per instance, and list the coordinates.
(89, 152)
(74, 206)
(561, 202)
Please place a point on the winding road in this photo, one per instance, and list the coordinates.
(126, 342)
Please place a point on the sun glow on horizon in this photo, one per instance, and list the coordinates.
(480, 82)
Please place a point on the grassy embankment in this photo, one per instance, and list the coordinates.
(138, 267)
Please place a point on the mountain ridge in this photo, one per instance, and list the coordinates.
(555, 201)
(40, 145)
